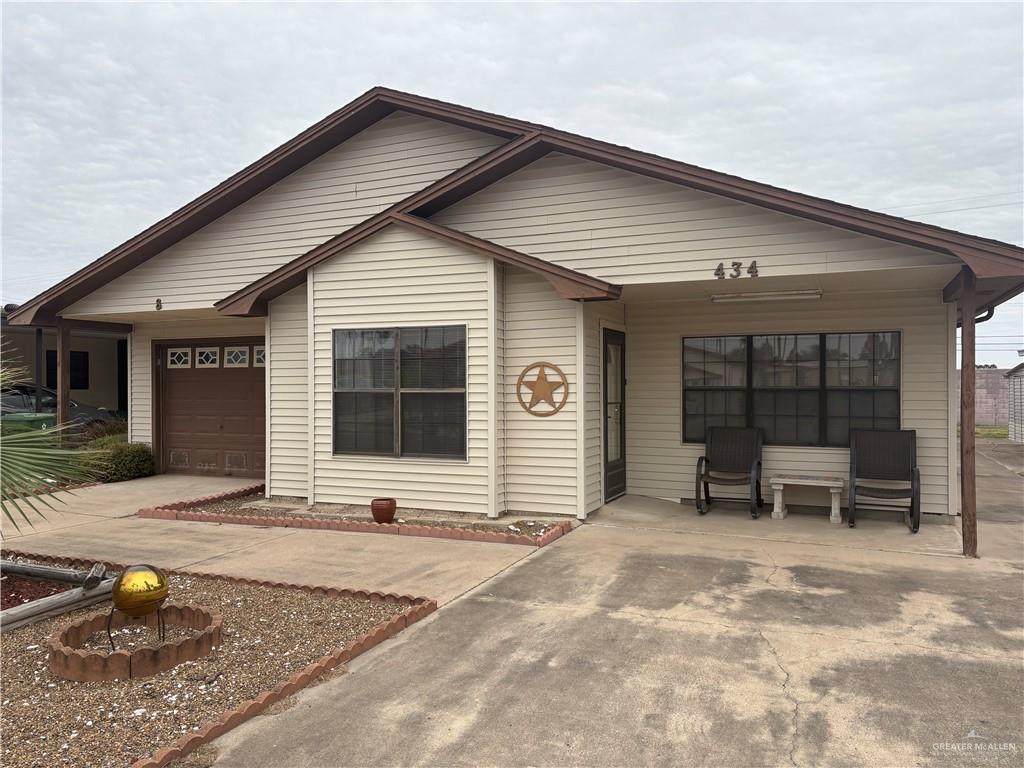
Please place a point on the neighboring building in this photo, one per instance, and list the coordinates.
(474, 313)
(1015, 406)
(991, 396)
(99, 361)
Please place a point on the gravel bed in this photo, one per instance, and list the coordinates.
(256, 506)
(269, 633)
(17, 589)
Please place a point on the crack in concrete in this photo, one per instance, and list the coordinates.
(795, 741)
(775, 567)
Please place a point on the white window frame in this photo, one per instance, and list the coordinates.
(259, 349)
(229, 350)
(188, 357)
(216, 357)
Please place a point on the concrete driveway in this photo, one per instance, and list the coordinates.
(617, 646)
(112, 500)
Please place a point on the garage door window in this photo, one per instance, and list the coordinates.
(400, 392)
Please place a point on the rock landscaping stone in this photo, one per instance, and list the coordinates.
(255, 510)
(270, 636)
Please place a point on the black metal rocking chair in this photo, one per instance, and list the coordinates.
(885, 454)
(735, 451)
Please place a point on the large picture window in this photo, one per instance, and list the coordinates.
(801, 389)
(400, 392)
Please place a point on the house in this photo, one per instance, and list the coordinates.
(991, 395)
(479, 314)
(1015, 416)
(98, 364)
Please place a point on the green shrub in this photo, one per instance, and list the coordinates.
(106, 443)
(125, 461)
(99, 429)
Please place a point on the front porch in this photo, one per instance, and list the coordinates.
(733, 519)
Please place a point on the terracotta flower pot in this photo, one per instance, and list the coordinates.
(383, 510)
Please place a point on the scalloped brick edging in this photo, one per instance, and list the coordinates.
(71, 662)
(174, 512)
(416, 608)
(199, 501)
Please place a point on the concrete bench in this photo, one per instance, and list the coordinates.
(832, 482)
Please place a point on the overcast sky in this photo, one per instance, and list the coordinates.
(115, 115)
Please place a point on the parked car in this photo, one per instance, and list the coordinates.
(21, 398)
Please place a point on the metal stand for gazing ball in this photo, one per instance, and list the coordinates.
(161, 626)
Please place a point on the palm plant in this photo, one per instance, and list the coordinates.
(37, 463)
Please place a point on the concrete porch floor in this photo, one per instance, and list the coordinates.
(733, 519)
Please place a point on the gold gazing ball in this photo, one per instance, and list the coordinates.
(139, 590)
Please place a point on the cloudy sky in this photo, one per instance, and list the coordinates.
(114, 115)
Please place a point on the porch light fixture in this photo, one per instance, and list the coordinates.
(767, 296)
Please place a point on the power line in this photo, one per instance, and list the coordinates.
(972, 208)
(952, 200)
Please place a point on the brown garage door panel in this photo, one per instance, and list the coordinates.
(213, 420)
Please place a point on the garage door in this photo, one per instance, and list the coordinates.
(212, 408)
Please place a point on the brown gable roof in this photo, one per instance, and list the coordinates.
(1002, 262)
(334, 129)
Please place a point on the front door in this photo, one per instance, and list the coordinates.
(614, 414)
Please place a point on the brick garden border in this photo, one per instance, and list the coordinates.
(416, 608)
(179, 510)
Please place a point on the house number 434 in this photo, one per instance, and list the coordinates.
(736, 271)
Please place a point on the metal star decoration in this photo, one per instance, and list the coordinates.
(542, 389)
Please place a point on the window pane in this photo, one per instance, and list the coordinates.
(433, 358)
(785, 430)
(364, 359)
(807, 430)
(862, 405)
(693, 429)
(788, 360)
(838, 431)
(714, 361)
(887, 346)
(693, 362)
(364, 422)
(887, 373)
(838, 404)
(693, 402)
(887, 405)
(434, 424)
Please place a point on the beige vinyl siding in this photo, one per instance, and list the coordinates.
(627, 228)
(500, 393)
(402, 278)
(659, 464)
(374, 169)
(140, 421)
(288, 455)
(540, 460)
(597, 315)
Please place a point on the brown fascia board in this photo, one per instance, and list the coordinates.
(253, 299)
(334, 129)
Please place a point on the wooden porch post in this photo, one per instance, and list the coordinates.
(63, 372)
(968, 480)
(40, 369)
